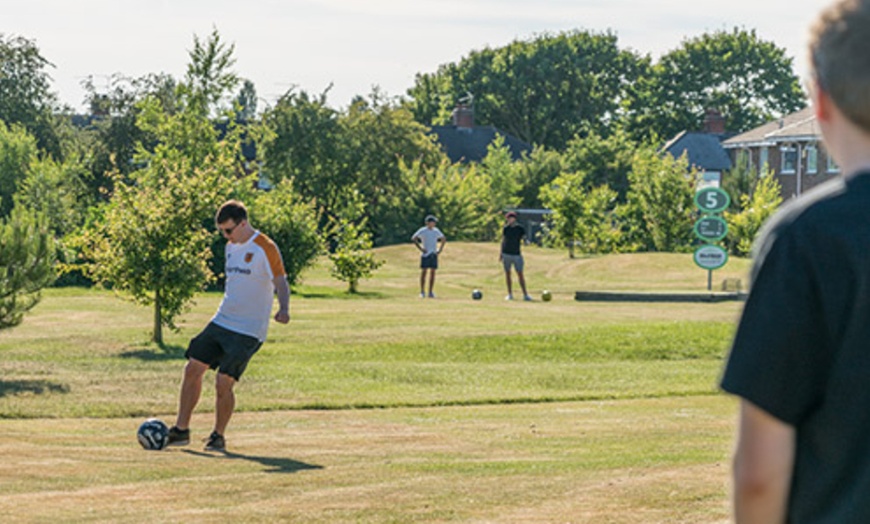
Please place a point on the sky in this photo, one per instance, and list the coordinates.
(355, 45)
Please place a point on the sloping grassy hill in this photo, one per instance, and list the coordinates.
(466, 266)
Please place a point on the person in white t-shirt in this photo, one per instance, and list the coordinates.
(254, 275)
(430, 241)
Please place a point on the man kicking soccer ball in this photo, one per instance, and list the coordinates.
(254, 273)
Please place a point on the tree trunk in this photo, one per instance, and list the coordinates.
(158, 325)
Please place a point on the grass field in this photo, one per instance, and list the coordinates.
(384, 407)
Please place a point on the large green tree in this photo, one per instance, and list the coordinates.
(155, 239)
(544, 90)
(25, 92)
(662, 195)
(747, 79)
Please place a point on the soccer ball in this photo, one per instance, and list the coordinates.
(546, 296)
(477, 294)
(153, 434)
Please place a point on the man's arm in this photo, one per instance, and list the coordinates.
(763, 466)
(282, 289)
(443, 241)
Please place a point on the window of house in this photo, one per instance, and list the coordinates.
(832, 165)
(812, 159)
(762, 161)
(789, 160)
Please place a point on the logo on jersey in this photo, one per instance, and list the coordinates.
(249, 257)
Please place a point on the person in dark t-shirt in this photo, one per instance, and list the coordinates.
(800, 361)
(512, 237)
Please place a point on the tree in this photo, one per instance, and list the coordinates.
(114, 130)
(535, 171)
(564, 196)
(459, 195)
(246, 102)
(153, 240)
(376, 134)
(756, 208)
(292, 223)
(747, 79)
(25, 97)
(27, 256)
(501, 170)
(544, 90)
(18, 152)
(740, 181)
(305, 148)
(210, 78)
(662, 191)
(606, 160)
(352, 259)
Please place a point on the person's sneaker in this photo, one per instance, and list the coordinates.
(527, 298)
(509, 297)
(178, 437)
(431, 295)
(215, 442)
(422, 295)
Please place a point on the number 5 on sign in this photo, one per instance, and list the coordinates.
(712, 200)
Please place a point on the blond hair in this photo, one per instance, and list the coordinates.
(840, 57)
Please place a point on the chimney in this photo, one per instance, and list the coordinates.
(463, 116)
(714, 122)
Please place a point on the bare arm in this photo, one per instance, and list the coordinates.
(763, 466)
(283, 291)
(443, 242)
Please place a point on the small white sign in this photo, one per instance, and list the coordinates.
(711, 257)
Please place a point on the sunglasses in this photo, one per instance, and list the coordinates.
(229, 230)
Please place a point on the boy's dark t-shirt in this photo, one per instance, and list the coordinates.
(512, 238)
(802, 348)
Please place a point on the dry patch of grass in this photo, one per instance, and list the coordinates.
(656, 460)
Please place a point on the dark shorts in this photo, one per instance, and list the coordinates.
(429, 261)
(512, 260)
(222, 349)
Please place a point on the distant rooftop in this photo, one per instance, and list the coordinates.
(797, 126)
(704, 150)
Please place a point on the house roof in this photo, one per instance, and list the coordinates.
(704, 150)
(469, 144)
(797, 126)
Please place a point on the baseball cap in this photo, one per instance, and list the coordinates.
(510, 214)
(431, 218)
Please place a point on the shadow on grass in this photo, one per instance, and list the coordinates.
(272, 464)
(322, 292)
(37, 387)
(156, 353)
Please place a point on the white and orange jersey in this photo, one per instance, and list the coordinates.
(250, 268)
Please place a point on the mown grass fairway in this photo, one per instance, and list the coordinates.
(487, 411)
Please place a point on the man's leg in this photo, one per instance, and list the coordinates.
(191, 387)
(522, 280)
(225, 402)
(507, 280)
(423, 281)
(431, 281)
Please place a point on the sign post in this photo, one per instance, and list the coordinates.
(711, 228)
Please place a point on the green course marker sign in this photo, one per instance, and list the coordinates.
(711, 228)
(712, 200)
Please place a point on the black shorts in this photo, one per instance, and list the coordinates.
(429, 261)
(222, 349)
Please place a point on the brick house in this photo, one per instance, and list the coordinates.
(463, 141)
(703, 149)
(791, 148)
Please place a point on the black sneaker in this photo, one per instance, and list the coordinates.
(215, 442)
(178, 437)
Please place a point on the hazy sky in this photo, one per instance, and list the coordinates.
(356, 44)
